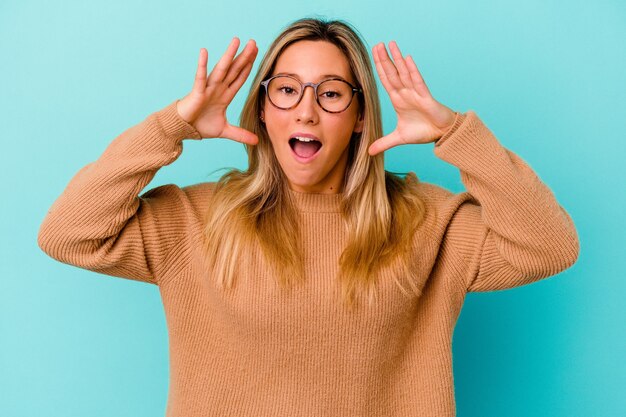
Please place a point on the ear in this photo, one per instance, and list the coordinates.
(358, 126)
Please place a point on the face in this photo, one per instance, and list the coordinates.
(312, 61)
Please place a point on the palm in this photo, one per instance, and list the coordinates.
(211, 121)
(421, 119)
(415, 124)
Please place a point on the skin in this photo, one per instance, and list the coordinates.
(421, 118)
(310, 61)
(205, 106)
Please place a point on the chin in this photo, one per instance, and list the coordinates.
(302, 182)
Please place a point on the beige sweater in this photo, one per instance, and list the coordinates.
(258, 351)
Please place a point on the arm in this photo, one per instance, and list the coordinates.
(100, 223)
(508, 229)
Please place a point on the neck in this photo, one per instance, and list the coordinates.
(317, 202)
(331, 184)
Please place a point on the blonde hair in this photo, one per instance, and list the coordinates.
(381, 211)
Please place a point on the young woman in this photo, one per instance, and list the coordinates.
(313, 283)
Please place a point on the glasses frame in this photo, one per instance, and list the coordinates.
(312, 85)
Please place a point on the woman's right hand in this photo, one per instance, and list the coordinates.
(205, 106)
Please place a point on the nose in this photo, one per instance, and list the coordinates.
(306, 110)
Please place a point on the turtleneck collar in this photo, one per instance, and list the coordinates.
(317, 203)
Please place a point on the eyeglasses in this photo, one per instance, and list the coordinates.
(333, 95)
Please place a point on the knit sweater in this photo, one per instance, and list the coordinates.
(257, 350)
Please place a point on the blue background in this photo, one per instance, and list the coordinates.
(547, 77)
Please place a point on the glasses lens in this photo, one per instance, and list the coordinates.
(284, 91)
(334, 95)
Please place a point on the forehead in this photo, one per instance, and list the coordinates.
(313, 61)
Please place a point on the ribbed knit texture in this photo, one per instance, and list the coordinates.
(257, 350)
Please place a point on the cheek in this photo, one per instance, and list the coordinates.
(276, 122)
(273, 130)
(276, 135)
(343, 128)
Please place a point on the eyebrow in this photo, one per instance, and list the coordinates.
(323, 76)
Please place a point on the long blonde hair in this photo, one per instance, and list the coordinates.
(381, 211)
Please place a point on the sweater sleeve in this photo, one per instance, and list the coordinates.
(508, 229)
(100, 223)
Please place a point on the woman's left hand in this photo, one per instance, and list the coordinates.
(421, 118)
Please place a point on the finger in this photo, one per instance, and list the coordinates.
(379, 69)
(390, 69)
(384, 143)
(240, 135)
(221, 68)
(246, 57)
(241, 78)
(199, 83)
(240, 62)
(398, 59)
(232, 89)
(416, 77)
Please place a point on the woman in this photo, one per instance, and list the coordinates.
(262, 274)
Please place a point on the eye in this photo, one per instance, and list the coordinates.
(286, 90)
(333, 90)
(331, 94)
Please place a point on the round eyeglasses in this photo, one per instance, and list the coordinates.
(333, 95)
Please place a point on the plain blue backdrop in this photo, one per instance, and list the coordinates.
(547, 77)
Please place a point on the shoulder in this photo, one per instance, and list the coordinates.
(172, 198)
(199, 194)
(431, 194)
(440, 203)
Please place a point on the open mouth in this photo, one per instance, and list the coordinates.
(305, 147)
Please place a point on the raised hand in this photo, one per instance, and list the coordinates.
(421, 119)
(205, 106)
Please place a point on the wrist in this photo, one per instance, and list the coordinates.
(183, 113)
(449, 123)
